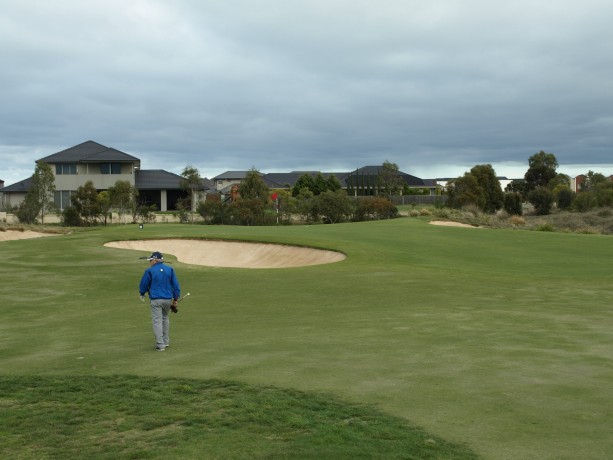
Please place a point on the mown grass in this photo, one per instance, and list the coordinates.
(494, 339)
(126, 417)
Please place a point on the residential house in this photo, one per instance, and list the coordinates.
(360, 182)
(103, 166)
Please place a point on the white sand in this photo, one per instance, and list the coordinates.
(232, 254)
(9, 235)
(451, 224)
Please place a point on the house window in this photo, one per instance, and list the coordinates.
(65, 168)
(110, 168)
(61, 198)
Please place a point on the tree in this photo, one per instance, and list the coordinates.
(27, 212)
(334, 207)
(122, 196)
(247, 211)
(479, 187)
(542, 200)
(513, 203)
(563, 196)
(333, 183)
(254, 187)
(85, 201)
(39, 199)
(465, 191)
(389, 180)
(541, 169)
(487, 180)
(517, 186)
(192, 183)
(305, 181)
(559, 180)
(593, 181)
(304, 201)
(106, 207)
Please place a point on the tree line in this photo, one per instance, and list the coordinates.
(542, 186)
(317, 198)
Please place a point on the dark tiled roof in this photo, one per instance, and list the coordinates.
(89, 151)
(231, 175)
(158, 179)
(21, 186)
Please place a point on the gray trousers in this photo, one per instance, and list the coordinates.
(161, 322)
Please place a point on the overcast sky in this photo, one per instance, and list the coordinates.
(331, 85)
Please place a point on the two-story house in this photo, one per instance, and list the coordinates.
(103, 166)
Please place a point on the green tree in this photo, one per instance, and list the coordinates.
(542, 200)
(85, 201)
(304, 201)
(254, 187)
(592, 181)
(333, 207)
(541, 169)
(27, 211)
(584, 202)
(248, 211)
(39, 199)
(517, 186)
(320, 184)
(465, 191)
(192, 184)
(389, 181)
(563, 196)
(333, 183)
(489, 183)
(479, 187)
(513, 203)
(106, 207)
(212, 210)
(305, 181)
(123, 196)
(559, 180)
(70, 217)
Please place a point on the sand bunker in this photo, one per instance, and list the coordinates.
(232, 254)
(451, 224)
(9, 235)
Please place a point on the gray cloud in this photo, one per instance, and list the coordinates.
(328, 85)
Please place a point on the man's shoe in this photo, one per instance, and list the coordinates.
(159, 349)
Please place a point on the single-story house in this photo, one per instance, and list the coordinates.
(360, 182)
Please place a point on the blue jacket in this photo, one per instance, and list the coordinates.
(160, 282)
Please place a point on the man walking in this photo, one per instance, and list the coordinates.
(160, 281)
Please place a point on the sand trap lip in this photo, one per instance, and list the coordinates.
(237, 254)
(10, 235)
(448, 223)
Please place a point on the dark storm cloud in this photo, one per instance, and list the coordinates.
(327, 85)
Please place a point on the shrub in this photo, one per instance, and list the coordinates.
(542, 199)
(546, 228)
(71, 217)
(517, 220)
(513, 203)
(584, 201)
(375, 209)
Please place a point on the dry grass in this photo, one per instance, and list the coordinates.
(599, 221)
